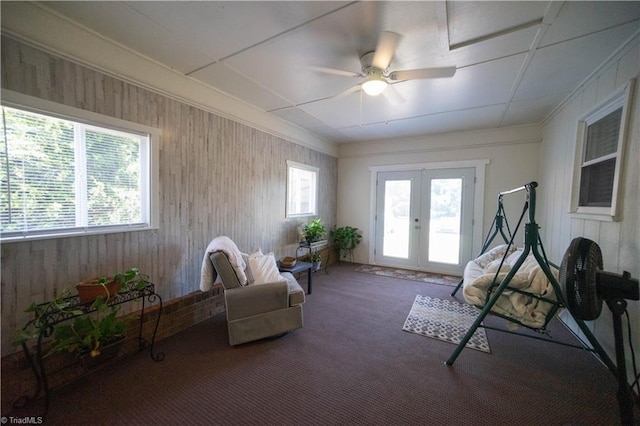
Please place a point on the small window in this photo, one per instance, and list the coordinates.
(62, 177)
(600, 146)
(302, 190)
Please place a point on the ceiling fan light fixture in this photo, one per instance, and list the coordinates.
(374, 85)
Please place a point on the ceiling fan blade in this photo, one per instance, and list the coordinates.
(335, 71)
(423, 73)
(349, 91)
(385, 49)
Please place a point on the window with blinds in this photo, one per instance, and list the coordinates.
(59, 176)
(599, 165)
(599, 150)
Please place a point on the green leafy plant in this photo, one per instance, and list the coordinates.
(346, 239)
(33, 328)
(131, 275)
(314, 230)
(315, 257)
(86, 334)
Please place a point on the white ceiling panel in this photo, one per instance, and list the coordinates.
(484, 84)
(260, 52)
(488, 50)
(468, 20)
(531, 110)
(477, 118)
(301, 118)
(231, 26)
(338, 42)
(579, 18)
(236, 85)
(119, 22)
(565, 65)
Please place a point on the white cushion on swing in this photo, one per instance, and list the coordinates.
(528, 310)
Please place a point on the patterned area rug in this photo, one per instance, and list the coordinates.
(405, 274)
(445, 320)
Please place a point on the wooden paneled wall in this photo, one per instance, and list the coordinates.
(217, 177)
(618, 240)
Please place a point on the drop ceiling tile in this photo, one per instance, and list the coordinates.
(531, 110)
(119, 22)
(579, 18)
(471, 119)
(299, 117)
(338, 42)
(469, 20)
(232, 26)
(481, 85)
(492, 49)
(561, 67)
(229, 81)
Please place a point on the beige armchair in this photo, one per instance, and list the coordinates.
(257, 311)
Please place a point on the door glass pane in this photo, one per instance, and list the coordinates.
(444, 220)
(397, 205)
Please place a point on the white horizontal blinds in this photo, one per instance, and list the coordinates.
(602, 136)
(113, 178)
(59, 175)
(37, 172)
(598, 168)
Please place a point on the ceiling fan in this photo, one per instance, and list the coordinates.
(375, 68)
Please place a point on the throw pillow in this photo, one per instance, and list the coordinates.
(264, 268)
(493, 254)
(248, 272)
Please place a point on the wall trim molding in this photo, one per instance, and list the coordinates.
(397, 151)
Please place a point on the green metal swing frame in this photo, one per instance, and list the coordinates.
(533, 245)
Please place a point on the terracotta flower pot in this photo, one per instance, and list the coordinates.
(89, 290)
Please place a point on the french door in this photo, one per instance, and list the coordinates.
(424, 219)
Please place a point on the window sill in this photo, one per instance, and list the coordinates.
(8, 238)
(601, 217)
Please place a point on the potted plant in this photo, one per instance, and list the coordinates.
(94, 339)
(103, 327)
(314, 231)
(105, 286)
(316, 260)
(346, 239)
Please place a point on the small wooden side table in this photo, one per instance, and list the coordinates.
(297, 268)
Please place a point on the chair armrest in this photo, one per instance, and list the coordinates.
(256, 299)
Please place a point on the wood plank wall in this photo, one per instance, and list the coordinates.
(217, 177)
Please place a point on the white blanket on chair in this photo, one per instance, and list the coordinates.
(228, 247)
(530, 277)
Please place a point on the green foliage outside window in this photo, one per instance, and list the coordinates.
(57, 174)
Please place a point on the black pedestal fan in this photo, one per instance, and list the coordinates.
(585, 285)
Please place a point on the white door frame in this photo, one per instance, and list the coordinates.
(478, 203)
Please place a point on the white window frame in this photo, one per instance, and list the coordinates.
(290, 192)
(149, 156)
(620, 98)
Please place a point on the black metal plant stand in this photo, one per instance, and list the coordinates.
(47, 316)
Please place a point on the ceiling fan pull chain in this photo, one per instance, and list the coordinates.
(360, 108)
